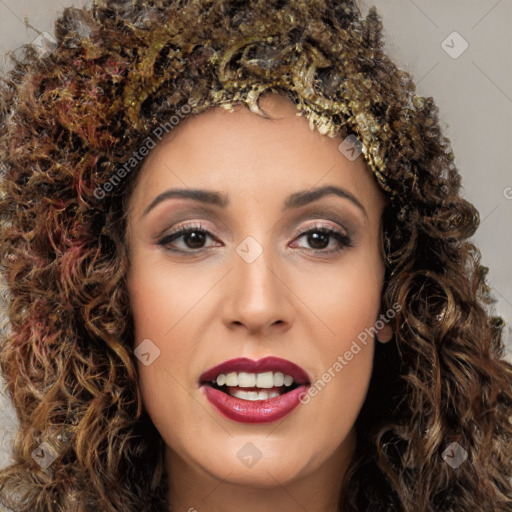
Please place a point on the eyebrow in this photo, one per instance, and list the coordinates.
(295, 200)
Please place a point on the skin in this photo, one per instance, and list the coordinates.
(297, 301)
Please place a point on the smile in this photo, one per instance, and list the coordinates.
(254, 396)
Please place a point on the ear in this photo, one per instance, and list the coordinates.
(384, 334)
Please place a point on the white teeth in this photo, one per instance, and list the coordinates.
(231, 379)
(265, 380)
(246, 380)
(253, 395)
(288, 381)
(278, 379)
(245, 395)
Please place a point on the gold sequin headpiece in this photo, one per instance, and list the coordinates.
(127, 66)
(334, 70)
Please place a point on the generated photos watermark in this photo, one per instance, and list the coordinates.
(249, 455)
(351, 147)
(146, 352)
(139, 155)
(454, 455)
(454, 45)
(343, 360)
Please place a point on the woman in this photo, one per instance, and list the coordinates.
(217, 304)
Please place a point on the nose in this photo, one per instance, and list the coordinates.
(260, 298)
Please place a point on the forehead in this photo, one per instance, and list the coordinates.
(241, 152)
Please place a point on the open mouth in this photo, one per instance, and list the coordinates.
(249, 391)
(251, 386)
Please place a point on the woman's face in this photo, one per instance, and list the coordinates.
(254, 286)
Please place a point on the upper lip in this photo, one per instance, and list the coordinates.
(266, 364)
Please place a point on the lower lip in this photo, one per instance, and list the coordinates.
(257, 411)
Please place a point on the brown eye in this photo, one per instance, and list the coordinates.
(318, 238)
(194, 238)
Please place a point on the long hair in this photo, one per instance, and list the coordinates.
(73, 119)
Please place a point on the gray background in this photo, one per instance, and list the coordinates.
(473, 92)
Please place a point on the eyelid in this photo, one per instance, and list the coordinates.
(323, 213)
(193, 224)
(298, 232)
(189, 214)
(343, 238)
(189, 225)
(321, 224)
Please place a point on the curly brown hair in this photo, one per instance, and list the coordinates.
(68, 121)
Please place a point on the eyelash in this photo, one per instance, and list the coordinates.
(344, 240)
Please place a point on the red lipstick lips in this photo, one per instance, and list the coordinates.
(255, 410)
(267, 364)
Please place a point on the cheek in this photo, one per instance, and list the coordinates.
(346, 297)
(166, 305)
(347, 302)
(161, 296)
